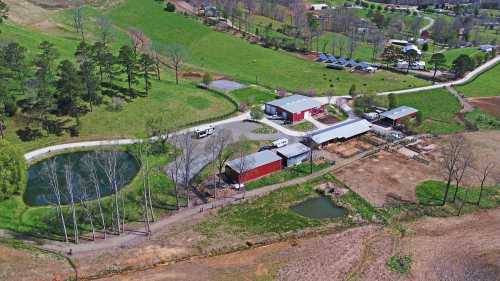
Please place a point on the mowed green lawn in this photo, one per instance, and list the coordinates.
(242, 61)
(485, 85)
(452, 54)
(438, 109)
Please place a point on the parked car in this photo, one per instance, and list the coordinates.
(335, 66)
(266, 147)
(280, 143)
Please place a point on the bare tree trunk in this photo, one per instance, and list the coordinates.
(90, 165)
(108, 164)
(69, 187)
(51, 173)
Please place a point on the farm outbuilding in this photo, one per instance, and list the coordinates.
(294, 154)
(396, 115)
(294, 108)
(253, 166)
(339, 132)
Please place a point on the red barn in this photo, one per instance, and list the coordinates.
(253, 166)
(294, 108)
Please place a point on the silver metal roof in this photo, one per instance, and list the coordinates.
(293, 150)
(399, 112)
(295, 103)
(343, 130)
(253, 161)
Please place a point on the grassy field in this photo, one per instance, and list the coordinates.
(431, 193)
(452, 54)
(438, 109)
(236, 58)
(362, 52)
(485, 85)
(272, 214)
(304, 126)
(483, 120)
(183, 104)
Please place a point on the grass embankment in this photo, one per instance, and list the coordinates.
(452, 54)
(16, 215)
(272, 214)
(236, 58)
(438, 109)
(485, 85)
(431, 193)
(304, 126)
(182, 104)
(253, 96)
(483, 120)
(287, 174)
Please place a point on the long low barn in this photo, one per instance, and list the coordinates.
(340, 132)
(253, 166)
(294, 108)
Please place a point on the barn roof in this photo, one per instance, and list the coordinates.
(295, 103)
(343, 130)
(293, 150)
(399, 112)
(253, 161)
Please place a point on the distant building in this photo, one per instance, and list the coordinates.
(253, 166)
(319, 7)
(396, 115)
(487, 48)
(294, 108)
(294, 154)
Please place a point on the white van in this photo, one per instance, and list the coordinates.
(280, 143)
(204, 131)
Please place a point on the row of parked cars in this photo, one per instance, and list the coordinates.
(340, 63)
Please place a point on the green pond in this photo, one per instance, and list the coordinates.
(40, 193)
(320, 207)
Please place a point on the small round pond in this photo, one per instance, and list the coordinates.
(40, 193)
(320, 207)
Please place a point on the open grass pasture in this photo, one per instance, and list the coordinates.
(234, 57)
(485, 85)
(438, 109)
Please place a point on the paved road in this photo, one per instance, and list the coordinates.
(470, 76)
(428, 26)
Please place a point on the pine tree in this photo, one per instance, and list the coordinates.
(128, 60)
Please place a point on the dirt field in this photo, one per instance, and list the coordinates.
(386, 175)
(328, 119)
(490, 105)
(29, 265)
(460, 249)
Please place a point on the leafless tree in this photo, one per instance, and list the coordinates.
(484, 168)
(177, 55)
(217, 147)
(139, 40)
(89, 162)
(244, 162)
(108, 163)
(105, 30)
(86, 204)
(50, 171)
(68, 174)
(464, 162)
(174, 170)
(452, 152)
(187, 147)
(78, 21)
(155, 53)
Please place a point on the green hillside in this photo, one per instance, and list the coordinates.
(236, 58)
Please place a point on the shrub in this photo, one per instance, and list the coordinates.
(256, 113)
(400, 264)
(170, 7)
(29, 134)
(207, 78)
(10, 108)
(13, 171)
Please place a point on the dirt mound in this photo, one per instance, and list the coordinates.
(490, 105)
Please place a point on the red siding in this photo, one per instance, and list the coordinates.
(255, 173)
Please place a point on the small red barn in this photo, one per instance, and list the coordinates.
(253, 166)
(294, 108)
(397, 114)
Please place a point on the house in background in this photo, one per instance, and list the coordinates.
(294, 108)
(253, 166)
(294, 154)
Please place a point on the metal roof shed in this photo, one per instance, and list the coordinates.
(341, 131)
(253, 166)
(295, 103)
(399, 112)
(294, 154)
(253, 161)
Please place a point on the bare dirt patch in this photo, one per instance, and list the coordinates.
(22, 264)
(490, 105)
(328, 119)
(386, 176)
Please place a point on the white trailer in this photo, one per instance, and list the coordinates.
(204, 131)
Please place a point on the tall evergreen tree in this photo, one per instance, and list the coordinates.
(69, 90)
(87, 72)
(128, 60)
(147, 65)
(14, 61)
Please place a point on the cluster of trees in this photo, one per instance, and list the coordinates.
(51, 90)
(12, 171)
(458, 161)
